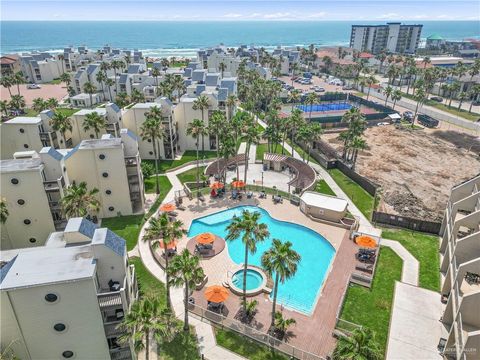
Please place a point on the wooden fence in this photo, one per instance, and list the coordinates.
(431, 227)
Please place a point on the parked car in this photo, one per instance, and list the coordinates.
(319, 89)
(427, 121)
(383, 123)
(437, 99)
(347, 87)
(33, 86)
(408, 115)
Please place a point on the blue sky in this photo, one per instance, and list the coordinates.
(241, 10)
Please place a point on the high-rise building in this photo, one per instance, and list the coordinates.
(460, 269)
(391, 38)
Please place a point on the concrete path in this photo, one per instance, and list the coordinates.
(242, 148)
(252, 154)
(410, 264)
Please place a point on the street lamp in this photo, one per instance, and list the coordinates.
(262, 181)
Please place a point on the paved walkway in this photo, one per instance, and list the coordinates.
(410, 263)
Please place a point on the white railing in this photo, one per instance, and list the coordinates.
(262, 337)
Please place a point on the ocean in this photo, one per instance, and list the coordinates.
(181, 38)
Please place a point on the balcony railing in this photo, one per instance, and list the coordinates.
(122, 353)
(54, 185)
(131, 161)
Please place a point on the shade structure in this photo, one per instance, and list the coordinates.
(216, 185)
(366, 241)
(171, 245)
(216, 293)
(205, 238)
(167, 207)
(238, 184)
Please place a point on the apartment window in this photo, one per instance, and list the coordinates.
(25, 146)
(108, 192)
(51, 298)
(105, 174)
(149, 140)
(21, 202)
(92, 136)
(150, 152)
(14, 181)
(111, 208)
(67, 354)
(101, 156)
(27, 222)
(59, 327)
(32, 240)
(22, 130)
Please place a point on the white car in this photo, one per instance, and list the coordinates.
(33, 86)
(383, 123)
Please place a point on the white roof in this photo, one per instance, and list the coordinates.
(394, 116)
(83, 112)
(333, 203)
(25, 120)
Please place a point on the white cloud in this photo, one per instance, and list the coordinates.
(232, 16)
(389, 16)
(318, 15)
(277, 15)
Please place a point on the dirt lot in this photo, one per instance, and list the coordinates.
(416, 168)
(57, 91)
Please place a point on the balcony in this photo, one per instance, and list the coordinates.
(48, 136)
(131, 160)
(121, 353)
(133, 179)
(54, 185)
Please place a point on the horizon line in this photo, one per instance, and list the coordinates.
(237, 20)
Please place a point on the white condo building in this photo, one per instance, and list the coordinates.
(392, 37)
(460, 269)
(66, 299)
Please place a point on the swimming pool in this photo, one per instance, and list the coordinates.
(324, 107)
(254, 279)
(299, 292)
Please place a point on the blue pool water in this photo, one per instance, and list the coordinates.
(299, 292)
(324, 107)
(254, 279)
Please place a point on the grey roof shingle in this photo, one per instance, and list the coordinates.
(5, 268)
(222, 94)
(87, 228)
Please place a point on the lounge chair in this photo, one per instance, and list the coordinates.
(365, 267)
(263, 195)
(249, 195)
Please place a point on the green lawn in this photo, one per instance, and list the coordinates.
(372, 307)
(363, 200)
(189, 155)
(245, 347)
(191, 175)
(424, 248)
(129, 226)
(183, 346)
(263, 148)
(163, 183)
(322, 187)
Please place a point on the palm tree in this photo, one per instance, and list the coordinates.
(185, 270)
(147, 316)
(7, 82)
(90, 89)
(4, 107)
(18, 79)
(39, 104)
(109, 83)
(178, 84)
(371, 80)
(65, 78)
(17, 102)
(473, 94)
(453, 88)
(168, 231)
(251, 136)
(396, 96)
(420, 97)
(122, 99)
(156, 73)
(61, 122)
(360, 345)
(294, 97)
(137, 96)
(197, 129)
(462, 96)
(311, 99)
(356, 144)
(426, 60)
(387, 92)
(231, 103)
(251, 231)
(281, 262)
(78, 201)
(94, 121)
(152, 130)
(3, 211)
(52, 103)
(216, 123)
(202, 103)
(222, 67)
(116, 65)
(282, 324)
(101, 78)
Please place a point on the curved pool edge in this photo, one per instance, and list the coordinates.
(262, 288)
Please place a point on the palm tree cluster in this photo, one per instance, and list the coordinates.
(40, 104)
(16, 105)
(78, 201)
(352, 138)
(9, 80)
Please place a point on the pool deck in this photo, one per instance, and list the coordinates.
(312, 333)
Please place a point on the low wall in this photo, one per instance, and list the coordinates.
(431, 227)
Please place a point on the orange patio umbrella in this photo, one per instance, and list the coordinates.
(216, 293)
(216, 185)
(238, 184)
(205, 238)
(171, 245)
(366, 241)
(167, 207)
